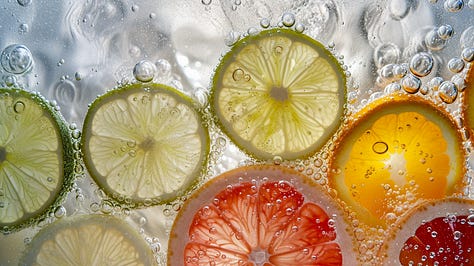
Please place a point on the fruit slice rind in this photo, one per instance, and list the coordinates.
(89, 239)
(207, 202)
(39, 154)
(425, 212)
(467, 101)
(150, 132)
(266, 108)
(372, 125)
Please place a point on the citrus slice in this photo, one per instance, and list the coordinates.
(88, 240)
(260, 215)
(395, 153)
(436, 233)
(36, 158)
(468, 100)
(144, 143)
(279, 93)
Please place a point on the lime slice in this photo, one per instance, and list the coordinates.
(279, 93)
(88, 240)
(144, 143)
(35, 157)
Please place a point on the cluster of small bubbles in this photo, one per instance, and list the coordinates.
(433, 41)
(453, 5)
(386, 53)
(288, 19)
(24, 2)
(421, 64)
(447, 91)
(231, 38)
(61, 62)
(456, 65)
(16, 59)
(144, 71)
(411, 83)
(201, 96)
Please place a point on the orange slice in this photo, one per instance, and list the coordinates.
(436, 233)
(468, 101)
(260, 215)
(395, 153)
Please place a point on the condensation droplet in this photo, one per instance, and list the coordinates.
(16, 59)
(421, 64)
(455, 65)
(144, 71)
(448, 92)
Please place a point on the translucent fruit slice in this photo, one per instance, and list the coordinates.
(436, 233)
(279, 93)
(36, 158)
(88, 240)
(468, 100)
(144, 143)
(260, 215)
(395, 153)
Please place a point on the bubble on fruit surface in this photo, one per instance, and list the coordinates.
(16, 59)
(468, 54)
(453, 5)
(387, 53)
(288, 19)
(448, 92)
(455, 65)
(433, 41)
(144, 71)
(410, 83)
(421, 64)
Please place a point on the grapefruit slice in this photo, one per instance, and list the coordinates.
(279, 93)
(260, 215)
(88, 240)
(395, 153)
(438, 232)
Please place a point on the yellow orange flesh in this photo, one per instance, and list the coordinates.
(397, 153)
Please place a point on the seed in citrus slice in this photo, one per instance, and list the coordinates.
(88, 240)
(468, 100)
(279, 93)
(395, 153)
(261, 215)
(439, 232)
(145, 143)
(36, 160)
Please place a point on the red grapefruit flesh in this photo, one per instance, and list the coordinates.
(261, 215)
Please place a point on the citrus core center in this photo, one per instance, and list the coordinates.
(279, 93)
(147, 144)
(259, 257)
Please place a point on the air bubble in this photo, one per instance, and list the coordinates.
(448, 92)
(265, 23)
(467, 38)
(144, 71)
(433, 41)
(59, 212)
(16, 59)
(19, 107)
(299, 27)
(65, 92)
(206, 2)
(387, 53)
(468, 54)
(23, 28)
(411, 83)
(434, 83)
(456, 65)
(288, 19)
(453, 5)
(399, 8)
(445, 32)
(163, 68)
(470, 219)
(231, 38)
(421, 64)
(380, 147)
(238, 74)
(24, 2)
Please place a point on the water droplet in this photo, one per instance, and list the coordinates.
(387, 53)
(24, 2)
(421, 64)
(264, 23)
(144, 71)
(288, 19)
(380, 147)
(433, 41)
(16, 59)
(448, 92)
(453, 5)
(411, 83)
(456, 65)
(445, 32)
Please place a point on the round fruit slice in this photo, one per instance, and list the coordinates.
(35, 157)
(260, 215)
(468, 101)
(279, 93)
(395, 153)
(144, 143)
(88, 240)
(436, 233)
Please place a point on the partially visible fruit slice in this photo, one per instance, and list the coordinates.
(145, 143)
(468, 100)
(394, 153)
(279, 93)
(88, 240)
(36, 159)
(436, 233)
(261, 215)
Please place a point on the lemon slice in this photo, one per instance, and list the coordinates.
(279, 93)
(36, 158)
(394, 154)
(144, 143)
(88, 240)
